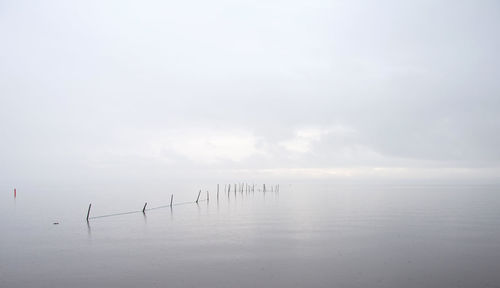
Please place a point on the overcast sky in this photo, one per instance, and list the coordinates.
(245, 89)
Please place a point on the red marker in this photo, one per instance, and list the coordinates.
(15, 193)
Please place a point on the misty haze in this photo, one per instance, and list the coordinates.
(249, 143)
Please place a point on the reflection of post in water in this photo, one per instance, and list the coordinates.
(198, 209)
(89, 230)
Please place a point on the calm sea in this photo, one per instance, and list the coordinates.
(307, 235)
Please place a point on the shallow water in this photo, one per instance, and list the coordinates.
(319, 235)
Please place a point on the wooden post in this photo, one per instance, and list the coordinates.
(171, 199)
(208, 198)
(217, 192)
(88, 212)
(144, 208)
(199, 193)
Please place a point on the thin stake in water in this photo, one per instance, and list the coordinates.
(199, 193)
(88, 212)
(144, 208)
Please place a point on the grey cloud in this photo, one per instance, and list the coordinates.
(92, 82)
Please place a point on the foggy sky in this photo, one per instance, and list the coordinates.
(298, 89)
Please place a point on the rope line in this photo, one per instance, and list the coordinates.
(140, 211)
(243, 187)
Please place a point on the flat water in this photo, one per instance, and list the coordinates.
(315, 235)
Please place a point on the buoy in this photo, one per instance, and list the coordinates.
(15, 193)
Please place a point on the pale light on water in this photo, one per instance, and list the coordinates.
(305, 236)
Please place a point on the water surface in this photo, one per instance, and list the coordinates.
(319, 235)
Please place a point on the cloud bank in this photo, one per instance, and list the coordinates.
(296, 89)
